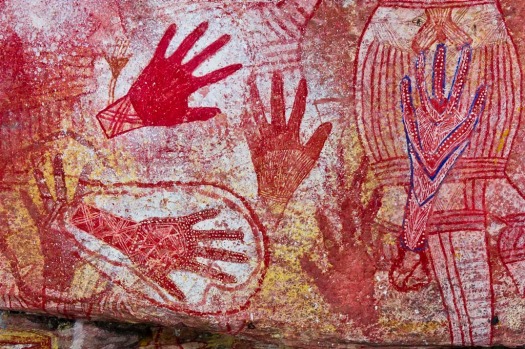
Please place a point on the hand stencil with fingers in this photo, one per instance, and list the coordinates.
(159, 246)
(58, 246)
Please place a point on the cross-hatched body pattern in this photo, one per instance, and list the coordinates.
(158, 246)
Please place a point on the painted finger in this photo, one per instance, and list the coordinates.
(60, 179)
(208, 52)
(83, 179)
(422, 84)
(368, 215)
(328, 233)
(316, 273)
(167, 284)
(407, 105)
(360, 175)
(316, 143)
(218, 234)
(438, 73)
(277, 101)
(160, 52)
(201, 114)
(210, 272)
(43, 189)
(464, 130)
(256, 102)
(351, 217)
(200, 216)
(251, 130)
(478, 104)
(187, 44)
(216, 76)
(31, 207)
(299, 107)
(459, 78)
(219, 254)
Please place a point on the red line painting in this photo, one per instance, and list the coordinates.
(277, 43)
(437, 134)
(160, 245)
(163, 260)
(169, 257)
(450, 140)
(281, 162)
(166, 261)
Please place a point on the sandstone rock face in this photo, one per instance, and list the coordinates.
(298, 172)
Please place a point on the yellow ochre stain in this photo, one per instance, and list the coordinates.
(502, 140)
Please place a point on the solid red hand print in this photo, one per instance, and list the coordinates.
(437, 134)
(281, 162)
(159, 246)
(160, 94)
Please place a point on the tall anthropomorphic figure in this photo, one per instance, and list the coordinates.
(449, 156)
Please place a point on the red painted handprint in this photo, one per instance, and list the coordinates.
(281, 162)
(347, 284)
(161, 93)
(437, 134)
(159, 246)
(59, 248)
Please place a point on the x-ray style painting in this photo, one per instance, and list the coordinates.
(303, 171)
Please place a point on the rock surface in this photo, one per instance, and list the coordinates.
(262, 173)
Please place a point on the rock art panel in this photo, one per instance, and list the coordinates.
(306, 173)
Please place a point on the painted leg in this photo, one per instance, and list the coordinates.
(460, 263)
